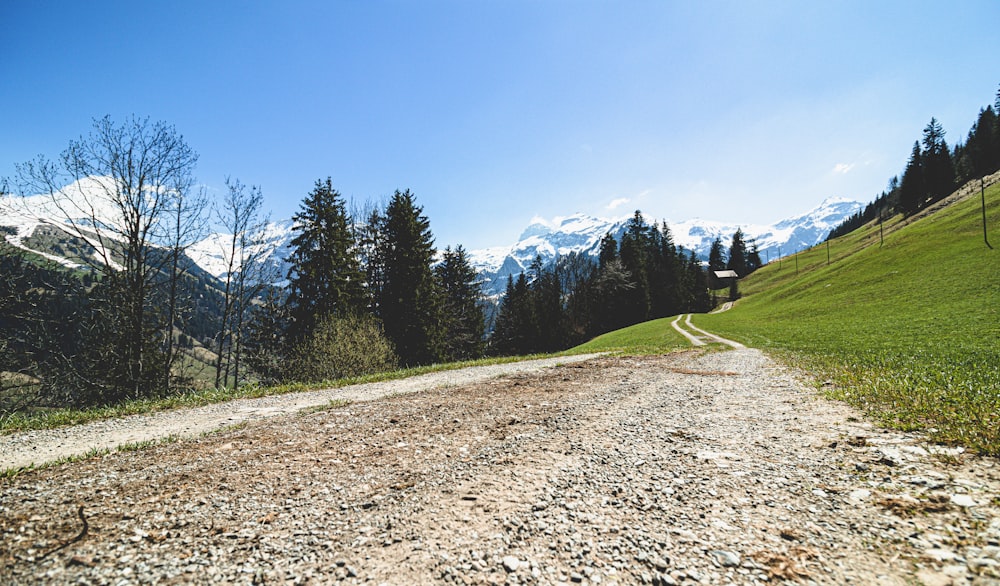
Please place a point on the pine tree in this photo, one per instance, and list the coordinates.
(464, 319)
(512, 332)
(325, 278)
(939, 170)
(547, 333)
(912, 188)
(716, 262)
(608, 250)
(633, 254)
(738, 254)
(411, 302)
(753, 258)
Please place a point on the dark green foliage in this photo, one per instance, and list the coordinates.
(463, 317)
(514, 323)
(738, 255)
(716, 262)
(410, 301)
(753, 258)
(877, 209)
(636, 246)
(939, 170)
(267, 347)
(980, 155)
(325, 278)
(575, 299)
(913, 187)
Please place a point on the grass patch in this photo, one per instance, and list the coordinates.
(196, 398)
(651, 337)
(909, 331)
(10, 473)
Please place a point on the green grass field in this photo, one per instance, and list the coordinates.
(908, 331)
(651, 337)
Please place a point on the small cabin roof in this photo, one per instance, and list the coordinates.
(726, 275)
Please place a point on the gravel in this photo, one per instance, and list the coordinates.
(710, 468)
(38, 447)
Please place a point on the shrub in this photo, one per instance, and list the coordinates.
(341, 347)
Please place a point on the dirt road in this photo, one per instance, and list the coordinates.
(42, 446)
(710, 468)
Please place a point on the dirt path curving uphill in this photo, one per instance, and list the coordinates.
(699, 337)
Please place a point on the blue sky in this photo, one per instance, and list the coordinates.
(496, 112)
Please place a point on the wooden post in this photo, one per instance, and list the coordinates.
(827, 252)
(982, 193)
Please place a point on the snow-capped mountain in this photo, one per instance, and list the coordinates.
(212, 253)
(582, 234)
(548, 239)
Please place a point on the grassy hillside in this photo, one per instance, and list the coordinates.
(909, 330)
(649, 337)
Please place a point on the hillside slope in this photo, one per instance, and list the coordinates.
(907, 329)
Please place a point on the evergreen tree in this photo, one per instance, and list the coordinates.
(614, 290)
(464, 319)
(912, 188)
(325, 278)
(547, 333)
(410, 302)
(753, 258)
(738, 254)
(633, 253)
(512, 332)
(939, 170)
(716, 262)
(608, 250)
(982, 149)
(267, 348)
(577, 273)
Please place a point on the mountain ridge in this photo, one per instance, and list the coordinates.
(582, 233)
(545, 238)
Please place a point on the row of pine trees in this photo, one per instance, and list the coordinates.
(934, 170)
(644, 276)
(365, 295)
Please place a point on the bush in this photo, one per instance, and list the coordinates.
(341, 347)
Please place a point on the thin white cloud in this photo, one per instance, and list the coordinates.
(617, 203)
(843, 168)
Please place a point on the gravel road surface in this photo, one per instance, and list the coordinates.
(42, 446)
(689, 468)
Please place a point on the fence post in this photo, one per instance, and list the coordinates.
(982, 193)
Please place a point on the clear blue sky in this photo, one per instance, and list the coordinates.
(494, 112)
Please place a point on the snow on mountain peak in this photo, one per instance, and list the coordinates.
(582, 234)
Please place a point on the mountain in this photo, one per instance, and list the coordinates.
(210, 253)
(582, 234)
(24, 226)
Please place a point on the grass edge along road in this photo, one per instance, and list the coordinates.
(908, 331)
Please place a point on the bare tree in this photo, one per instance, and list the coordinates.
(246, 273)
(118, 188)
(187, 225)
